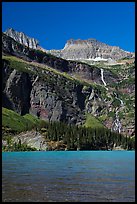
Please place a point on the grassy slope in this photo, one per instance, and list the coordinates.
(92, 122)
(24, 66)
(15, 122)
(19, 123)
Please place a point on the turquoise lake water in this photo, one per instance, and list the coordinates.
(68, 176)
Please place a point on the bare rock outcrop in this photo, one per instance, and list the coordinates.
(22, 38)
(90, 49)
(52, 88)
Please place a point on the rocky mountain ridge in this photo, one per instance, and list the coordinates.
(90, 49)
(23, 39)
(74, 68)
(56, 89)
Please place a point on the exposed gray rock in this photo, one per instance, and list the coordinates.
(17, 90)
(57, 112)
(90, 49)
(52, 96)
(23, 39)
(53, 102)
(94, 103)
(33, 139)
(82, 70)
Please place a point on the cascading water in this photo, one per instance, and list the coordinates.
(102, 78)
(117, 124)
(119, 99)
(35, 80)
(121, 102)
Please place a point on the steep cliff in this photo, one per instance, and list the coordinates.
(56, 89)
(42, 92)
(74, 68)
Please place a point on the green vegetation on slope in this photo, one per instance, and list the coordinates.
(35, 68)
(16, 123)
(77, 137)
(92, 122)
(38, 69)
(19, 64)
(95, 138)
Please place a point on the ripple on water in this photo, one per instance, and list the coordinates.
(69, 177)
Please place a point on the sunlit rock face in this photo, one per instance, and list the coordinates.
(90, 49)
(22, 38)
(57, 89)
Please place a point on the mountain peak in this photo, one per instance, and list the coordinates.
(75, 49)
(80, 41)
(22, 38)
(90, 49)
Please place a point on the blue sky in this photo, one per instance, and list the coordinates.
(53, 23)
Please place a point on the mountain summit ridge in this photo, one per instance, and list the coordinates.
(90, 49)
(22, 38)
(79, 49)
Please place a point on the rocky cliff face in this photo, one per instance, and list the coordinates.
(90, 49)
(77, 69)
(56, 89)
(22, 38)
(51, 97)
(37, 140)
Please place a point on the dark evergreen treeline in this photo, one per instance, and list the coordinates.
(86, 138)
(76, 138)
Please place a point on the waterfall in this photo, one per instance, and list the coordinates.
(91, 95)
(117, 124)
(119, 99)
(35, 80)
(121, 102)
(102, 78)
